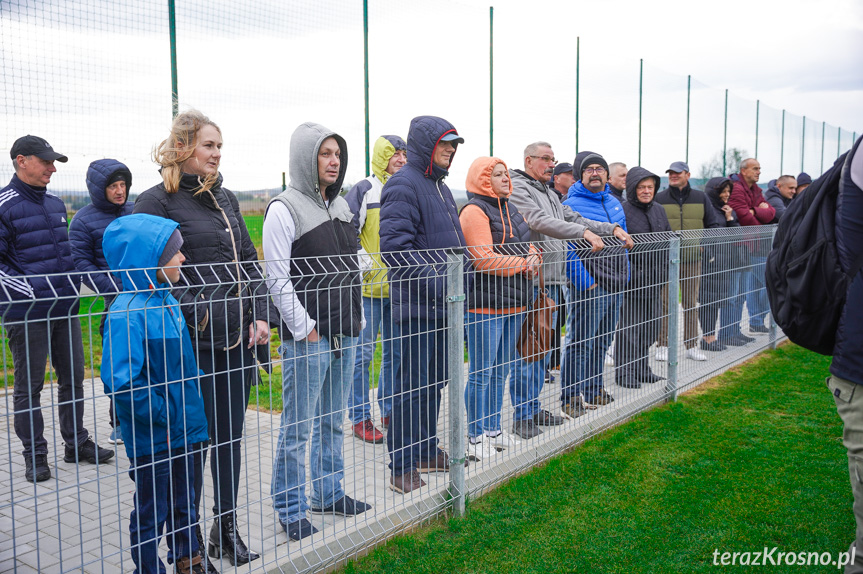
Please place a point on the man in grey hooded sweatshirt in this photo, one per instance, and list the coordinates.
(313, 276)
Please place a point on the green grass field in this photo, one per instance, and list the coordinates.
(751, 459)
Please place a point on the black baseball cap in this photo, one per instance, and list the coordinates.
(562, 167)
(34, 145)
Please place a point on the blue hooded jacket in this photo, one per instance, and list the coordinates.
(419, 220)
(88, 226)
(148, 363)
(602, 206)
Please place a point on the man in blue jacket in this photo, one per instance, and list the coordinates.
(419, 220)
(108, 182)
(597, 280)
(39, 312)
(846, 370)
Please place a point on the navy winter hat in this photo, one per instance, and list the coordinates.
(803, 179)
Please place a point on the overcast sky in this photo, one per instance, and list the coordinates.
(94, 78)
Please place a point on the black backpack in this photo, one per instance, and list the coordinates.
(805, 283)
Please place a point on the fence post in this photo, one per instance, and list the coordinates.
(455, 366)
(771, 331)
(673, 313)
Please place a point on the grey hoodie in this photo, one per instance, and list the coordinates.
(551, 223)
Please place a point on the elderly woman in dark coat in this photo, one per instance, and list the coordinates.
(641, 308)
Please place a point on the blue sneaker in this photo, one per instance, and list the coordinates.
(116, 437)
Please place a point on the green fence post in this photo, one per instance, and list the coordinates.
(284, 185)
(172, 27)
(366, 80)
(640, 95)
(491, 80)
(757, 118)
(688, 94)
(725, 137)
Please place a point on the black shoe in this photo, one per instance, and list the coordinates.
(207, 563)
(758, 329)
(526, 429)
(41, 472)
(737, 341)
(345, 506)
(714, 346)
(547, 419)
(628, 383)
(652, 377)
(298, 530)
(225, 541)
(88, 452)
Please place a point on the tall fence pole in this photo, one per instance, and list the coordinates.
(688, 97)
(823, 135)
(284, 185)
(491, 80)
(757, 121)
(782, 146)
(455, 365)
(577, 74)
(366, 80)
(640, 98)
(838, 142)
(725, 138)
(172, 27)
(673, 313)
(803, 145)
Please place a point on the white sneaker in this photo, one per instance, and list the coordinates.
(503, 441)
(480, 450)
(661, 353)
(695, 354)
(609, 357)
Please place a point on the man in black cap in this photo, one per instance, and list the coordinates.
(686, 208)
(804, 180)
(561, 180)
(40, 312)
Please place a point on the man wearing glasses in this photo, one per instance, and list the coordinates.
(551, 224)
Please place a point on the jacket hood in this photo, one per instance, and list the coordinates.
(478, 179)
(423, 138)
(134, 244)
(712, 189)
(772, 185)
(385, 148)
(98, 174)
(633, 177)
(303, 167)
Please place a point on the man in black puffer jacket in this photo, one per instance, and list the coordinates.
(641, 306)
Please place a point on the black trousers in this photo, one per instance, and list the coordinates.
(636, 331)
(31, 343)
(225, 388)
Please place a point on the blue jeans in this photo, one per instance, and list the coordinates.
(377, 312)
(756, 294)
(314, 392)
(526, 379)
(592, 320)
(491, 348)
(164, 494)
(420, 377)
(731, 308)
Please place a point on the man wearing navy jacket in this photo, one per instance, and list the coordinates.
(39, 312)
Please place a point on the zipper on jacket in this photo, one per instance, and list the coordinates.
(230, 231)
(448, 214)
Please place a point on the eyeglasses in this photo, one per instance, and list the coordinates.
(545, 158)
(597, 170)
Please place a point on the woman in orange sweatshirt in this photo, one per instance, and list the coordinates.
(497, 238)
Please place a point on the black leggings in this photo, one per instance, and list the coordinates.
(225, 388)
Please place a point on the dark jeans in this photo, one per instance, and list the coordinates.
(636, 331)
(163, 495)
(226, 395)
(31, 343)
(421, 375)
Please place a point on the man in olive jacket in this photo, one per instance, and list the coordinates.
(686, 208)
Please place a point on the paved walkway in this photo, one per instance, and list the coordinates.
(78, 520)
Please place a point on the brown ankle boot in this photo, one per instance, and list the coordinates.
(190, 565)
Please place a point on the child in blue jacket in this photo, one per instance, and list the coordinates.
(149, 368)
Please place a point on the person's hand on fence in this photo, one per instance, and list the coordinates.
(533, 263)
(624, 236)
(259, 333)
(595, 240)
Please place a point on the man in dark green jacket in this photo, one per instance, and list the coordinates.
(687, 209)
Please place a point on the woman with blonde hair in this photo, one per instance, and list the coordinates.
(505, 263)
(223, 298)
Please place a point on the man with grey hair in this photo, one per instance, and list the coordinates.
(617, 180)
(551, 225)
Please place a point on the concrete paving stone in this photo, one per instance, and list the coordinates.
(38, 560)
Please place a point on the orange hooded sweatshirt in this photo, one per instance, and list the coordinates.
(477, 230)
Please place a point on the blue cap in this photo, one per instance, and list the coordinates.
(452, 137)
(678, 167)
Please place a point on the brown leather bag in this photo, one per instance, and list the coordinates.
(537, 331)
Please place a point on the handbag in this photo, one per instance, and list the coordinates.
(537, 332)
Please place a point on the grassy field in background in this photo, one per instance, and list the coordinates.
(753, 458)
